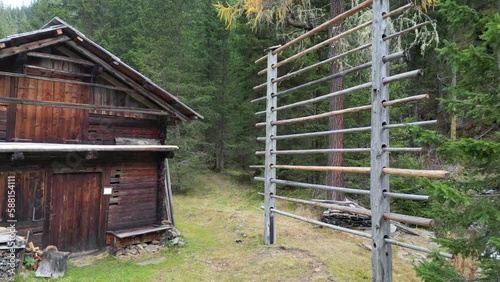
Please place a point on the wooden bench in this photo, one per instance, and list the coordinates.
(122, 238)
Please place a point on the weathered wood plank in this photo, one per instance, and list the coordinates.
(54, 104)
(32, 46)
(49, 71)
(60, 58)
(139, 232)
(76, 82)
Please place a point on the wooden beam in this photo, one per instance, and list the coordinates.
(362, 211)
(163, 104)
(76, 82)
(61, 72)
(7, 52)
(83, 106)
(60, 58)
(409, 219)
(385, 170)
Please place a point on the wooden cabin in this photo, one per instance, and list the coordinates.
(83, 142)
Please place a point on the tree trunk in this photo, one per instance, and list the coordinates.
(336, 141)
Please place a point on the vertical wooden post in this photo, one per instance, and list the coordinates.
(169, 198)
(381, 251)
(270, 159)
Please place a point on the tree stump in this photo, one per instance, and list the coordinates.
(53, 263)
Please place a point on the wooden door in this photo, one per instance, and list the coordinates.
(76, 217)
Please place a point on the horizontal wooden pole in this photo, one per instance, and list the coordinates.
(405, 100)
(316, 186)
(316, 151)
(385, 170)
(328, 78)
(325, 25)
(321, 44)
(261, 59)
(407, 196)
(323, 115)
(7, 52)
(260, 86)
(344, 111)
(83, 106)
(60, 58)
(324, 205)
(416, 248)
(61, 72)
(401, 76)
(75, 82)
(326, 61)
(345, 190)
(409, 219)
(256, 166)
(399, 33)
(326, 96)
(320, 223)
(324, 168)
(333, 39)
(416, 172)
(346, 130)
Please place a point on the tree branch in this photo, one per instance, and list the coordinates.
(293, 21)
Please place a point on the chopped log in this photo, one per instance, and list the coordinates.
(53, 264)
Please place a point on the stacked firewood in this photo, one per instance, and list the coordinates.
(343, 218)
(11, 253)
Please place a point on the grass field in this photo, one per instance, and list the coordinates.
(221, 223)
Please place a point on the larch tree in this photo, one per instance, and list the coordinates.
(259, 12)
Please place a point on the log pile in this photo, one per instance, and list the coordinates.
(343, 218)
(171, 237)
(11, 253)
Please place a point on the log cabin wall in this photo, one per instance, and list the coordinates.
(134, 202)
(134, 177)
(57, 86)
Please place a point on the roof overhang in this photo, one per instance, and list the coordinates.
(10, 147)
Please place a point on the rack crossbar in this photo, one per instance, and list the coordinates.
(416, 248)
(320, 223)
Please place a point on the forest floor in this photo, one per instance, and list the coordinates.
(221, 223)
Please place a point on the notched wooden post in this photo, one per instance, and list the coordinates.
(379, 182)
(270, 158)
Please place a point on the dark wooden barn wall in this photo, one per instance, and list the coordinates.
(48, 124)
(29, 201)
(134, 177)
(133, 204)
(135, 193)
(103, 129)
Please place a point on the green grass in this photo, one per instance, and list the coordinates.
(217, 212)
